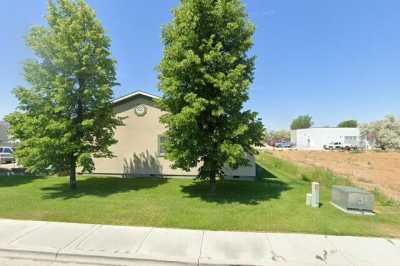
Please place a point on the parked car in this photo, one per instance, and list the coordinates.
(7, 155)
(283, 145)
(339, 146)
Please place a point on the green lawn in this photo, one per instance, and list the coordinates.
(274, 203)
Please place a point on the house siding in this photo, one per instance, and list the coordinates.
(137, 150)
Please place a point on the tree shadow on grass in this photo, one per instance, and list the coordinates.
(15, 180)
(267, 186)
(100, 187)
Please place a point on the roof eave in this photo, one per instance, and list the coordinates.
(134, 94)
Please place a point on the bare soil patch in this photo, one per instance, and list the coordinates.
(370, 170)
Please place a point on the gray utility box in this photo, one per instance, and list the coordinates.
(352, 199)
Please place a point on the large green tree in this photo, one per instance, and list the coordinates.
(301, 122)
(205, 76)
(65, 116)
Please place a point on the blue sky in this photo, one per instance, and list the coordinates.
(334, 60)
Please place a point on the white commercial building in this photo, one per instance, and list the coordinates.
(315, 138)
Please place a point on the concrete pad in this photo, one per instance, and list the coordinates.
(11, 230)
(51, 237)
(305, 249)
(112, 240)
(367, 251)
(172, 245)
(235, 248)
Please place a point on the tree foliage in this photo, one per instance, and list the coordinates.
(383, 134)
(65, 117)
(301, 122)
(205, 76)
(348, 123)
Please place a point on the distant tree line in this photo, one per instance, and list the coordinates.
(305, 121)
(301, 122)
(348, 123)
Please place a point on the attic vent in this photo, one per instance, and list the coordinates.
(140, 110)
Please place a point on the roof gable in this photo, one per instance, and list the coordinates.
(133, 95)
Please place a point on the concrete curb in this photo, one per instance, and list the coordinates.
(27, 254)
(66, 257)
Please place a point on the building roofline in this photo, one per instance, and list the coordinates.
(325, 128)
(134, 94)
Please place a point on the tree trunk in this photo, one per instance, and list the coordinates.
(72, 174)
(213, 184)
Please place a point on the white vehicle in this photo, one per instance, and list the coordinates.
(6, 155)
(340, 146)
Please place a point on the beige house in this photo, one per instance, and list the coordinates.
(139, 149)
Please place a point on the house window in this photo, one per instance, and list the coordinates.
(161, 141)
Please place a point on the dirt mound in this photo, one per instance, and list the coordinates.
(370, 170)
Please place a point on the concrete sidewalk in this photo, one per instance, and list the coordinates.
(57, 243)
